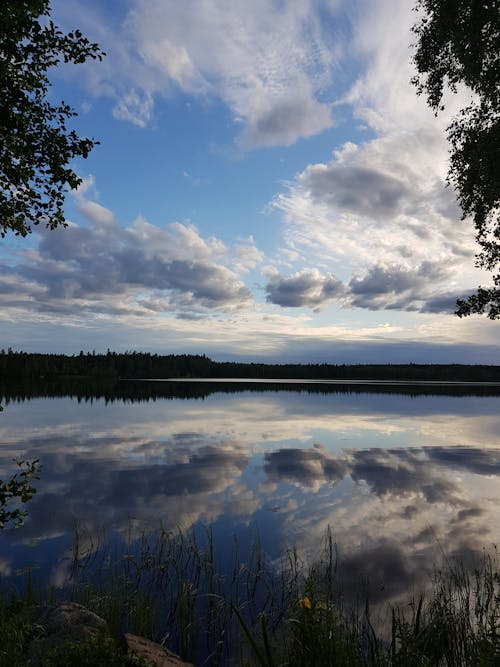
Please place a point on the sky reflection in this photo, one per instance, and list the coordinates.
(398, 486)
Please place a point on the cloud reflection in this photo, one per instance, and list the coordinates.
(307, 467)
(173, 482)
(391, 510)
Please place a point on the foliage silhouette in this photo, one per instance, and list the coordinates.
(36, 145)
(17, 489)
(459, 44)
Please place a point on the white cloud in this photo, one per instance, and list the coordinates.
(379, 214)
(382, 207)
(94, 211)
(270, 62)
(135, 107)
(107, 269)
(383, 95)
(246, 256)
(372, 216)
(173, 60)
(282, 121)
(305, 288)
(383, 200)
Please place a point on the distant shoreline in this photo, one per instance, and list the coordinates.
(396, 383)
(22, 367)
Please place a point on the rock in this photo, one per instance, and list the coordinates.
(59, 624)
(72, 622)
(68, 620)
(151, 652)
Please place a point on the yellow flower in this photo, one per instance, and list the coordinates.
(305, 603)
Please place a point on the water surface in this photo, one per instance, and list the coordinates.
(400, 478)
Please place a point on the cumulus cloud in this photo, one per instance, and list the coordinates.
(430, 472)
(395, 279)
(398, 287)
(178, 481)
(305, 288)
(381, 287)
(384, 197)
(295, 115)
(402, 473)
(360, 189)
(427, 472)
(105, 268)
(307, 467)
(380, 217)
(471, 459)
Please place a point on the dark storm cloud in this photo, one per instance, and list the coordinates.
(105, 261)
(305, 466)
(306, 288)
(359, 189)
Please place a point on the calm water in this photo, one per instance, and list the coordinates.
(401, 479)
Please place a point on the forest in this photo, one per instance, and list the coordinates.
(28, 367)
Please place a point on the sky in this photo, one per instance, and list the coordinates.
(268, 186)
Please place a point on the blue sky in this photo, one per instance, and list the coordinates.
(267, 186)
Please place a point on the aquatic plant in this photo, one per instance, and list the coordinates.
(170, 587)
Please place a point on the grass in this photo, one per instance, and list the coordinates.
(168, 587)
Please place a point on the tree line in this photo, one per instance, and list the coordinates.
(22, 366)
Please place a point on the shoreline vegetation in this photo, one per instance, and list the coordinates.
(143, 365)
(168, 587)
(137, 377)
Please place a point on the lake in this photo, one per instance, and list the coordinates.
(403, 476)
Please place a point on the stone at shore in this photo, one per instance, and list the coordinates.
(68, 620)
(59, 624)
(72, 622)
(152, 652)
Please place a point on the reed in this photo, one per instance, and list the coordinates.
(169, 586)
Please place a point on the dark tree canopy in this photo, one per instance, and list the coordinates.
(459, 43)
(35, 144)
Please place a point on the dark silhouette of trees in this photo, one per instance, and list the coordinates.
(459, 44)
(22, 367)
(36, 145)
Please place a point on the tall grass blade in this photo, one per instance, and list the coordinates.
(251, 640)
